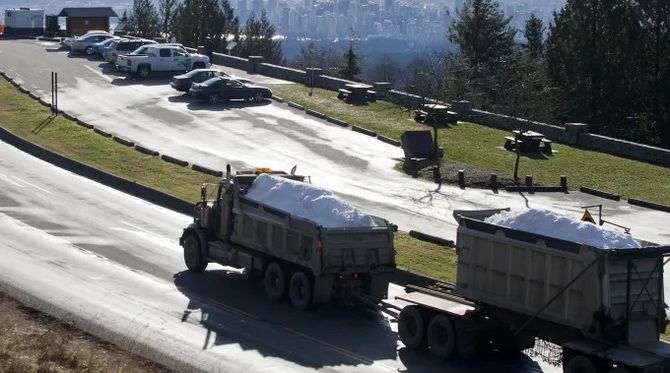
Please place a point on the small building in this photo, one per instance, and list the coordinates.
(81, 20)
(24, 22)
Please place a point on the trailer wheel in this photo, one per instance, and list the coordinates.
(580, 364)
(275, 282)
(412, 328)
(442, 337)
(300, 290)
(193, 253)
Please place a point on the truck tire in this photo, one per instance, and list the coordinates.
(412, 328)
(442, 337)
(143, 71)
(195, 262)
(275, 281)
(300, 290)
(580, 364)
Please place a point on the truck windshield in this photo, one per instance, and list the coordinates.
(139, 50)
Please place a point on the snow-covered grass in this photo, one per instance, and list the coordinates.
(307, 201)
(551, 224)
(481, 147)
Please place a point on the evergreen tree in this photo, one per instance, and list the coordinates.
(351, 64)
(196, 20)
(259, 40)
(166, 9)
(482, 32)
(534, 34)
(143, 19)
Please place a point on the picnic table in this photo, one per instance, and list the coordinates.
(528, 142)
(356, 93)
(435, 114)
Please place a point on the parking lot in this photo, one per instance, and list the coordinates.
(357, 167)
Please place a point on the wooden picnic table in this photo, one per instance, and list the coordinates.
(433, 114)
(528, 142)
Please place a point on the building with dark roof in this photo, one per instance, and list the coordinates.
(81, 20)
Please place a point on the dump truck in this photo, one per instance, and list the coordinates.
(603, 309)
(295, 256)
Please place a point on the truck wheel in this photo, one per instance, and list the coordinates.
(193, 253)
(300, 290)
(412, 328)
(143, 71)
(442, 337)
(580, 364)
(275, 282)
(258, 97)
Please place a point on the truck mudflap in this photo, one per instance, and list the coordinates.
(652, 358)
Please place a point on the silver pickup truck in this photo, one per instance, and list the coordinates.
(296, 257)
(154, 58)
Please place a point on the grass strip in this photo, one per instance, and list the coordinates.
(25, 117)
(481, 147)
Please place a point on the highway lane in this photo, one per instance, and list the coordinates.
(355, 166)
(110, 263)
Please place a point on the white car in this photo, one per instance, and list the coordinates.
(152, 58)
(67, 42)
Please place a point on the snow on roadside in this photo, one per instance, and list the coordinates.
(549, 223)
(307, 201)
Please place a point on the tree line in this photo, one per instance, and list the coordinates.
(204, 22)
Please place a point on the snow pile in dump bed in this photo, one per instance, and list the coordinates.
(307, 201)
(548, 223)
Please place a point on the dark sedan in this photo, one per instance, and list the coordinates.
(217, 89)
(183, 82)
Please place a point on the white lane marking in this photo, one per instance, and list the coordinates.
(107, 78)
(32, 185)
(7, 179)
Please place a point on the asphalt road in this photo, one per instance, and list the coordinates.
(110, 263)
(356, 167)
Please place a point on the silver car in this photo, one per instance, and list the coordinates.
(85, 44)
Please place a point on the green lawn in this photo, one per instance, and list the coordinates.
(22, 115)
(481, 147)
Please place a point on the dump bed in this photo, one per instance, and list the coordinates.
(612, 294)
(303, 242)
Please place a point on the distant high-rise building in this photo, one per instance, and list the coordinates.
(388, 8)
(242, 10)
(258, 7)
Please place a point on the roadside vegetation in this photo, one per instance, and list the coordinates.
(31, 341)
(481, 147)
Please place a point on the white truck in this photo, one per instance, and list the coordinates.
(154, 58)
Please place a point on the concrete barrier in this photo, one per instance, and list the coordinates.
(364, 131)
(123, 141)
(535, 189)
(84, 124)
(206, 170)
(68, 116)
(44, 102)
(173, 160)
(124, 185)
(388, 140)
(432, 239)
(650, 205)
(145, 150)
(22, 89)
(278, 99)
(102, 132)
(315, 114)
(339, 122)
(33, 96)
(294, 105)
(600, 193)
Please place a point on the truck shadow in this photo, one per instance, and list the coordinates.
(423, 361)
(234, 310)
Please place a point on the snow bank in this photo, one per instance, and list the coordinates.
(307, 201)
(549, 223)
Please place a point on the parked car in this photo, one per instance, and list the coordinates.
(183, 82)
(124, 46)
(67, 42)
(87, 44)
(160, 58)
(216, 89)
(98, 48)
